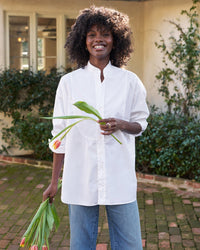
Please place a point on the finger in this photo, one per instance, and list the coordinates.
(44, 197)
(106, 132)
(110, 126)
(106, 127)
(51, 200)
(104, 121)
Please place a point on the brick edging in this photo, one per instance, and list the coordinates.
(26, 161)
(170, 182)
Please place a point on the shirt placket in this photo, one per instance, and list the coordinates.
(101, 178)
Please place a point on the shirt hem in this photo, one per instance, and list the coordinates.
(97, 203)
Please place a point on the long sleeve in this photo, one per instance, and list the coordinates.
(139, 109)
(59, 124)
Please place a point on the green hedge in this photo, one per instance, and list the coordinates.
(29, 132)
(26, 96)
(170, 146)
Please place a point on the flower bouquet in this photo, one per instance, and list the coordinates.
(84, 107)
(37, 234)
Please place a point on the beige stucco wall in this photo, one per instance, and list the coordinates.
(156, 14)
(2, 55)
(146, 19)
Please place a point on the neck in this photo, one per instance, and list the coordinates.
(101, 64)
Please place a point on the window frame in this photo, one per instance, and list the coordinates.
(33, 17)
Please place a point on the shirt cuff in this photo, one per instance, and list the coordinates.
(60, 149)
(143, 125)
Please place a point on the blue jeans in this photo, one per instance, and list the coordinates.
(124, 226)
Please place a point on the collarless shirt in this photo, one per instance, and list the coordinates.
(97, 169)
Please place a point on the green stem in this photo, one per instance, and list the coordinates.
(116, 139)
(70, 126)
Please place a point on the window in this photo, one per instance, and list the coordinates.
(46, 43)
(19, 42)
(36, 41)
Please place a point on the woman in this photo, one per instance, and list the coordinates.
(97, 169)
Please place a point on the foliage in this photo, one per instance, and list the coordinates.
(30, 133)
(38, 231)
(170, 146)
(180, 79)
(25, 97)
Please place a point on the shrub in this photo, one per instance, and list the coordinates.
(179, 78)
(26, 96)
(30, 133)
(170, 146)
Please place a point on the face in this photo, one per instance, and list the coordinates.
(99, 43)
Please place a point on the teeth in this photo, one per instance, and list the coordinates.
(99, 47)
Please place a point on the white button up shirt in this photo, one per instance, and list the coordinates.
(97, 169)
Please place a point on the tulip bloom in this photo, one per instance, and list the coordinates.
(22, 243)
(44, 247)
(34, 247)
(56, 144)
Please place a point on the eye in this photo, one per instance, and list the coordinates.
(90, 34)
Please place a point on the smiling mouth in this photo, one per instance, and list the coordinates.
(99, 46)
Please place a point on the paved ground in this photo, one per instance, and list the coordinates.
(170, 219)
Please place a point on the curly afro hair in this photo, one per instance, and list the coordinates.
(116, 22)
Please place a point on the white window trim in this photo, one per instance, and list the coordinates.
(7, 41)
(61, 32)
(60, 38)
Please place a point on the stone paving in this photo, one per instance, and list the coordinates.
(170, 218)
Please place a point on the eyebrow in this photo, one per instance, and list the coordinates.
(102, 30)
(90, 30)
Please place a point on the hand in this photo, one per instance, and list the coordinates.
(110, 125)
(50, 192)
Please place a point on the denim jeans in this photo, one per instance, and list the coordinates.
(124, 226)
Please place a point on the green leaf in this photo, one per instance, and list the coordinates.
(36, 232)
(39, 239)
(50, 219)
(30, 236)
(69, 127)
(67, 117)
(37, 216)
(55, 216)
(87, 108)
(44, 225)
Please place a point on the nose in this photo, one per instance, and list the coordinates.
(98, 37)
